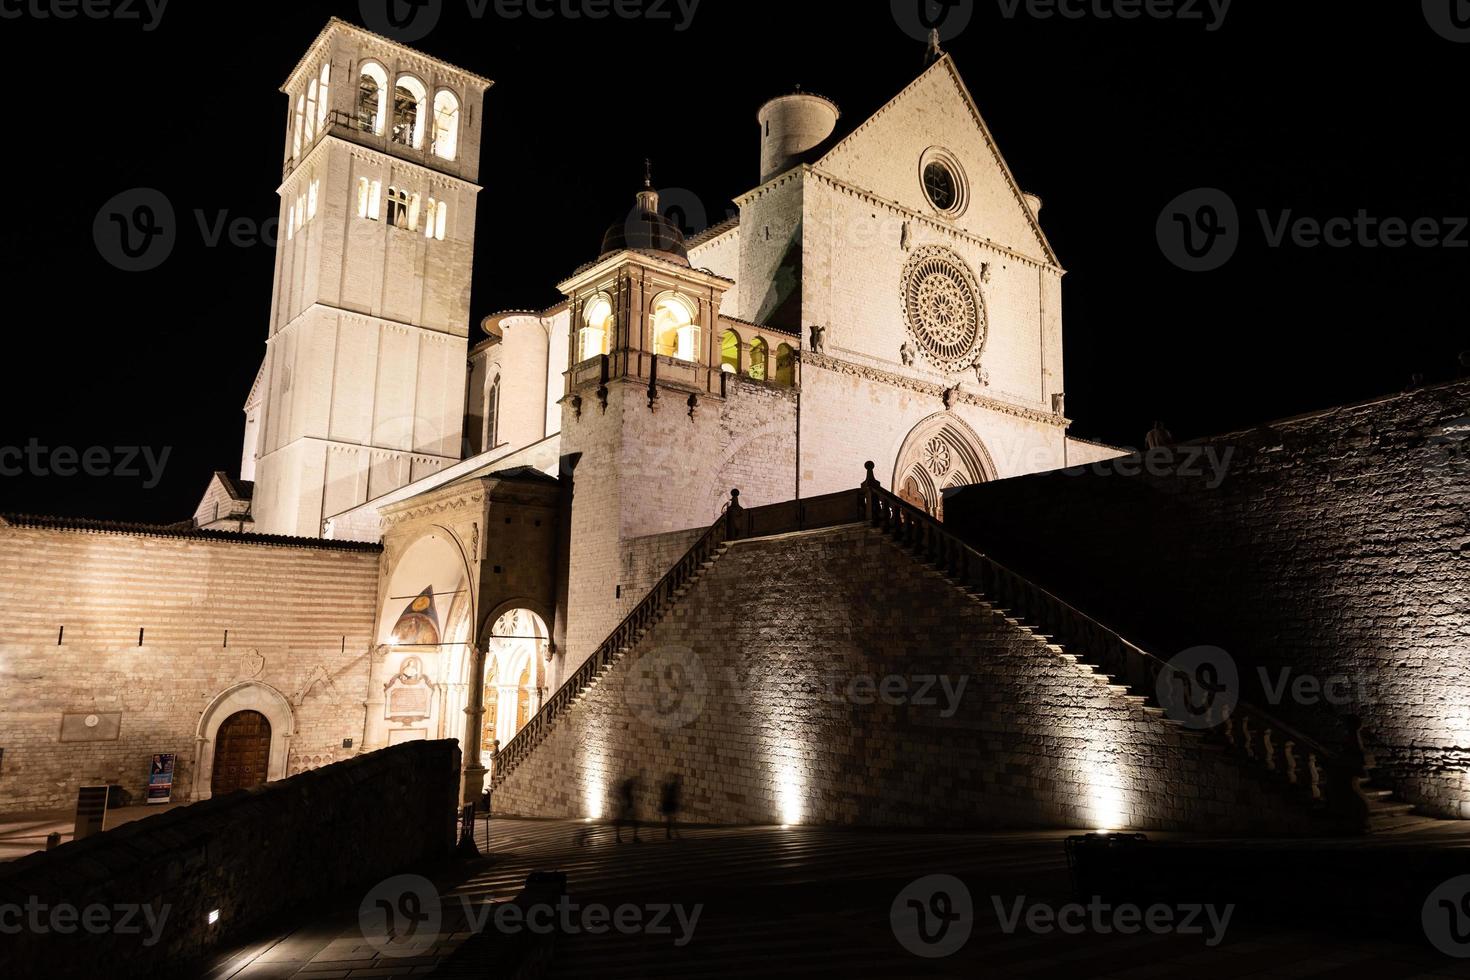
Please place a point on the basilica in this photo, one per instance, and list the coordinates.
(446, 529)
(886, 292)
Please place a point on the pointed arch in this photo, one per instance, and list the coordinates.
(940, 452)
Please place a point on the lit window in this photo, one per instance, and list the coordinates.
(440, 217)
(408, 112)
(371, 105)
(311, 193)
(290, 222)
(597, 323)
(300, 121)
(730, 352)
(310, 111)
(413, 213)
(759, 350)
(368, 192)
(446, 125)
(397, 208)
(323, 105)
(675, 334)
(300, 210)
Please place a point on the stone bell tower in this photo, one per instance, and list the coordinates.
(362, 389)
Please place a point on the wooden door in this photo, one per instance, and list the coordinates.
(242, 751)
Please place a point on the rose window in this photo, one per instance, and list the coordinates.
(942, 307)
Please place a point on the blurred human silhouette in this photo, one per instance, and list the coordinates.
(668, 803)
(627, 808)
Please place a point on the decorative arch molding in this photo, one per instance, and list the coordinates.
(246, 696)
(941, 451)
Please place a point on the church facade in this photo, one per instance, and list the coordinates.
(437, 529)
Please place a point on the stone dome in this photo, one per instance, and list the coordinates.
(646, 229)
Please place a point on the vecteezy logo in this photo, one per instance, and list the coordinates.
(918, 18)
(1446, 917)
(1200, 687)
(1449, 18)
(401, 916)
(135, 231)
(667, 687)
(1199, 230)
(404, 21)
(933, 916)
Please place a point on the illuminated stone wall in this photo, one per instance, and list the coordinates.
(811, 668)
(1331, 556)
(299, 621)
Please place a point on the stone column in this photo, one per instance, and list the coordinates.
(473, 782)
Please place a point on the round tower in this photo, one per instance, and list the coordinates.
(790, 126)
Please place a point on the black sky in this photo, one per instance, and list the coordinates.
(1320, 107)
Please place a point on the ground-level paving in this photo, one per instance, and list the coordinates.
(805, 901)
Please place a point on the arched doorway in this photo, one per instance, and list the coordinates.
(515, 675)
(242, 749)
(938, 453)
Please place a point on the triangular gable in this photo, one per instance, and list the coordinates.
(936, 109)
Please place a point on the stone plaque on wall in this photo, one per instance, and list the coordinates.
(407, 696)
(90, 726)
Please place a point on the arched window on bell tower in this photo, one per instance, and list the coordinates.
(372, 101)
(408, 112)
(446, 125)
(594, 337)
(675, 330)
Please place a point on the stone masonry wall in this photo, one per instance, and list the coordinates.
(299, 621)
(1333, 553)
(799, 682)
(250, 855)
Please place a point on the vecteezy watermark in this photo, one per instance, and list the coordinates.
(148, 13)
(895, 690)
(1199, 687)
(1104, 918)
(933, 916)
(402, 916)
(121, 919)
(136, 230)
(1209, 462)
(918, 18)
(1200, 230)
(34, 459)
(1446, 917)
(667, 687)
(1210, 13)
(1450, 19)
(407, 21)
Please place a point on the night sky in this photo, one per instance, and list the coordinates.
(1319, 107)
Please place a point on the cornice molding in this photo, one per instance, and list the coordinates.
(938, 391)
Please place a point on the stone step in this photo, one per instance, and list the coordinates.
(1377, 811)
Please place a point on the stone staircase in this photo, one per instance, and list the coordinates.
(1333, 781)
(1339, 783)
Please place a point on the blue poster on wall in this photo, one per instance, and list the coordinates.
(161, 778)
